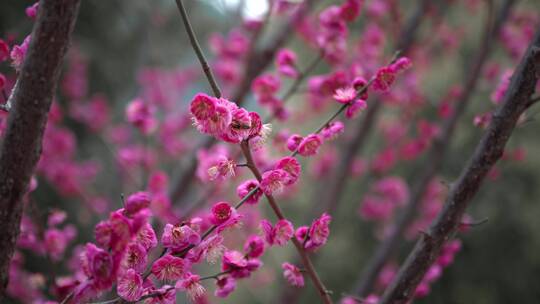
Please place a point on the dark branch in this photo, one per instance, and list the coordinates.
(487, 153)
(433, 160)
(30, 103)
(198, 51)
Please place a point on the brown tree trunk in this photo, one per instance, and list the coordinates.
(30, 102)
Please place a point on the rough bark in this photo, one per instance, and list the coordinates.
(434, 158)
(30, 102)
(487, 153)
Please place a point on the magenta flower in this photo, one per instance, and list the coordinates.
(394, 189)
(136, 202)
(223, 168)
(135, 257)
(371, 299)
(293, 142)
(332, 130)
(225, 285)
(254, 246)
(233, 259)
(345, 95)
(164, 295)
(498, 95)
(279, 234)
(434, 272)
(291, 166)
(402, 64)
(4, 50)
(482, 120)
(98, 266)
(376, 208)
(56, 217)
(356, 107)
(246, 187)
(256, 124)
(238, 264)
(32, 10)
(18, 52)
(350, 9)
(286, 63)
(273, 181)
(292, 274)
(121, 231)
(169, 268)
(56, 241)
(213, 120)
(103, 234)
(422, 290)
(233, 220)
(301, 233)
(141, 115)
(221, 212)
(146, 236)
(384, 79)
(179, 237)
(265, 86)
(158, 182)
(211, 249)
(130, 285)
(310, 145)
(320, 230)
(358, 84)
(191, 283)
(240, 126)
(203, 106)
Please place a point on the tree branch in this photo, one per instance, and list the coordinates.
(487, 153)
(434, 159)
(30, 101)
(198, 51)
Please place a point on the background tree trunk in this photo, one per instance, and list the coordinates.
(30, 102)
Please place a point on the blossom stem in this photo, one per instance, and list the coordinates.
(310, 269)
(198, 51)
(215, 276)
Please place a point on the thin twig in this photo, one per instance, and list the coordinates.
(198, 51)
(474, 223)
(296, 84)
